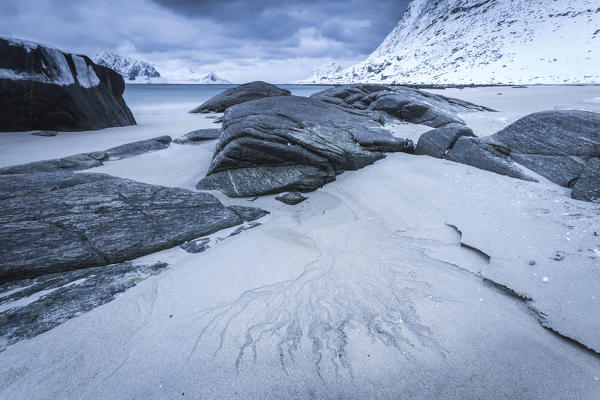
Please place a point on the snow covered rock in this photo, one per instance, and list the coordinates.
(291, 198)
(240, 94)
(284, 143)
(199, 136)
(54, 222)
(132, 70)
(437, 142)
(587, 186)
(486, 42)
(407, 104)
(44, 88)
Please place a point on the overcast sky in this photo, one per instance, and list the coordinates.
(274, 40)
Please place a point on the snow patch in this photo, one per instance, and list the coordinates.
(85, 73)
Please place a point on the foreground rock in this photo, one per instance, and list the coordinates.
(55, 222)
(44, 88)
(198, 136)
(554, 144)
(406, 104)
(44, 133)
(587, 187)
(83, 161)
(240, 94)
(437, 142)
(291, 143)
(291, 198)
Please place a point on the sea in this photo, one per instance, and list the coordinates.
(163, 97)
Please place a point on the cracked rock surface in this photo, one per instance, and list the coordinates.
(53, 222)
(291, 143)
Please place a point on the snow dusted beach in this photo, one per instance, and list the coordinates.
(413, 277)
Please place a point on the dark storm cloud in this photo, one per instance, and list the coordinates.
(360, 24)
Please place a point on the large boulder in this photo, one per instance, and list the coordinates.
(61, 221)
(290, 143)
(587, 186)
(43, 88)
(240, 94)
(437, 142)
(555, 144)
(407, 104)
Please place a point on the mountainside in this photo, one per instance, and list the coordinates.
(323, 72)
(487, 42)
(131, 69)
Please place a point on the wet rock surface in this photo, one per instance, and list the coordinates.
(55, 222)
(293, 143)
(240, 94)
(198, 136)
(90, 160)
(291, 198)
(44, 88)
(407, 104)
(32, 306)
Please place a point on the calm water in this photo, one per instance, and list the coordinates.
(148, 95)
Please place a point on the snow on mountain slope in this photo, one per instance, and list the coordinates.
(323, 72)
(487, 42)
(132, 70)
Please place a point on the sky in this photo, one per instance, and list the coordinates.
(273, 40)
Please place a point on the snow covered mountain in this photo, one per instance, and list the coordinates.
(323, 72)
(487, 42)
(136, 71)
(132, 70)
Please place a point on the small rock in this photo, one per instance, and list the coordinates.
(291, 198)
(44, 133)
(196, 246)
(531, 262)
(198, 136)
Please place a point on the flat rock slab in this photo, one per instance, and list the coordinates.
(33, 306)
(291, 198)
(407, 104)
(292, 143)
(55, 222)
(437, 142)
(84, 161)
(198, 136)
(240, 94)
(44, 133)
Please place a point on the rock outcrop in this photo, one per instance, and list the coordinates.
(240, 94)
(43, 88)
(290, 143)
(587, 187)
(407, 104)
(198, 136)
(83, 161)
(437, 142)
(61, 221)
(554, 144)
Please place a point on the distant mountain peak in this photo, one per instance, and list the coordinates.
(486, 42)
(131, 69)
(211, 77)
(323, 72)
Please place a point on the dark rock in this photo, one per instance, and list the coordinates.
(407, 104)
(54, 222)
(477, 152)
(248, 213)
(196, 246)
(44, 88)
(290, 143)
(291, 198)
(555, 144)
(437, 142)
(83, 161)
(198, 136)
(240, 94)
(243, 228)
(587, 186)
(65, 296)
(139, 147)
(44, 133)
